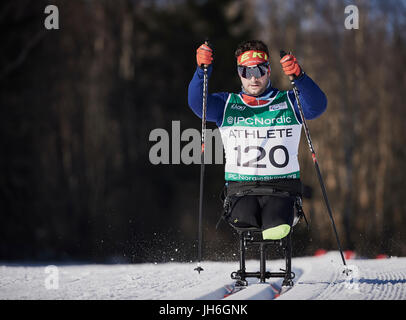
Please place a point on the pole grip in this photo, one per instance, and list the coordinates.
(282, 54)
(207, 43)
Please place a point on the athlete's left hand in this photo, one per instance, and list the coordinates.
(290, 65)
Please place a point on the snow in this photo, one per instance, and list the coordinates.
(317, 278)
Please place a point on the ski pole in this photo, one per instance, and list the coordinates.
(309, 142)
(204, 107)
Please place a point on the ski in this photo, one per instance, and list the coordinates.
(279, 290)
(233, 288)
(276, 289)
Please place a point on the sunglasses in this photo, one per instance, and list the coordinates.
(257, 71)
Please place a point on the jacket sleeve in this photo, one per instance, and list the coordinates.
(215, 101)
(312, 98)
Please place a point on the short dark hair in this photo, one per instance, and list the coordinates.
(251, 45)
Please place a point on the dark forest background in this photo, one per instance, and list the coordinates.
(77, 106)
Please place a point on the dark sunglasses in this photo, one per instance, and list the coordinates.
(256, 71)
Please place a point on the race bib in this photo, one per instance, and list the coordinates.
(260, 142)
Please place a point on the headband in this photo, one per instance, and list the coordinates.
(252, 58)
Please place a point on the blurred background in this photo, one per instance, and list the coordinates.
(77, 106)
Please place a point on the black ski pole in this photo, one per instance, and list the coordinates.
(204, 107)
(309, 142)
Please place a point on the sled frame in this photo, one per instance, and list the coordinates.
(247, 239)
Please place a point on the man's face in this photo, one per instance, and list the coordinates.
(255, 86)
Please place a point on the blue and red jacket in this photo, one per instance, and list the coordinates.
(312, 98)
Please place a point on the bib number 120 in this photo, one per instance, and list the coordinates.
(262, 154)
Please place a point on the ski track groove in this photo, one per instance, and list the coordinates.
(366, 283)
(386, 286)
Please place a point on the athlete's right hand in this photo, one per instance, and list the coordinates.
(204, 55)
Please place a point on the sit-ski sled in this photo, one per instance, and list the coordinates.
(252, 236)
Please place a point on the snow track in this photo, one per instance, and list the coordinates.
(318, 278)
(323, 279)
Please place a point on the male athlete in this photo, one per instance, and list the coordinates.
(260, 129)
